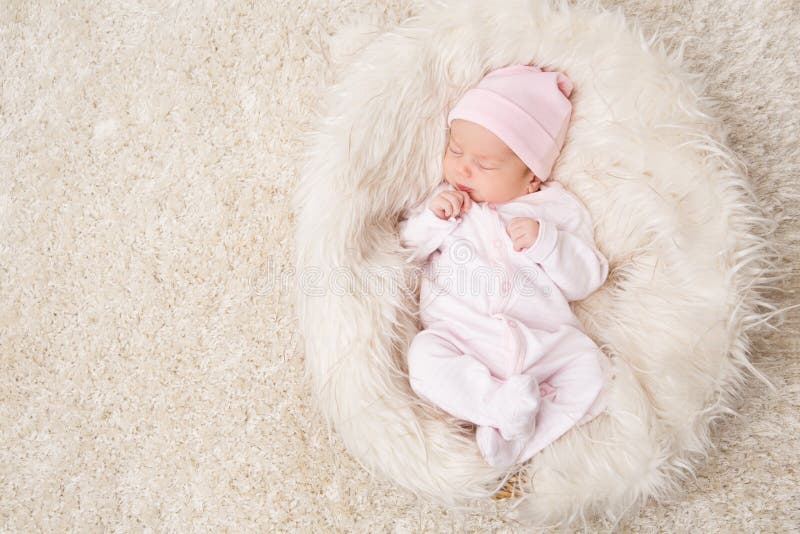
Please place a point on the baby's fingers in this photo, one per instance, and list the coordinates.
(447, 210)
(467, 201)
(516, 222)
(456, 204)
(451, 202)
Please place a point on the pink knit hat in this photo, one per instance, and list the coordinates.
(527, 108)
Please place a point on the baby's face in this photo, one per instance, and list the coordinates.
(478, 160)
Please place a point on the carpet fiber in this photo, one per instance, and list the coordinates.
(149, 366)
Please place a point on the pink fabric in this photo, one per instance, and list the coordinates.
(527, 108)
(494, 317)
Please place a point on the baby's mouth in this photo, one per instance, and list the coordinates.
(463, 188)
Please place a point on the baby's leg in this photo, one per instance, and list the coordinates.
(566, 364)
(565, 398)
(575, 388)
(440, 372)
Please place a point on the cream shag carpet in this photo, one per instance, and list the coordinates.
(150, 375)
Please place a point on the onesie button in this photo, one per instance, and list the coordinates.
(512, 323)
(490, 205)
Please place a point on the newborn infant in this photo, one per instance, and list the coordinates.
(505, 252)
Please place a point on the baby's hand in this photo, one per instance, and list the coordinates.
(450, 204)
(523, 232)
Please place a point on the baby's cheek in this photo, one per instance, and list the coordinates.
(446, 166)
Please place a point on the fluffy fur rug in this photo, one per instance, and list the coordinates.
(687, 247)
(151, 371)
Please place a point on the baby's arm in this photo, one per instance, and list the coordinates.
(566, 250)
(423, 232)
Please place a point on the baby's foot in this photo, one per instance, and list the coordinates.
(516, 404)
(496, 451)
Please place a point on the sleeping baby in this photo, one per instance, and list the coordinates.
(504, 252)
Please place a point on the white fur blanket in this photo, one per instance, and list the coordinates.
(673, 213)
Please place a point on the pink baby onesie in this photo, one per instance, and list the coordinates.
(500, 345)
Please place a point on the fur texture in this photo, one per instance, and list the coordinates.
(673, 211)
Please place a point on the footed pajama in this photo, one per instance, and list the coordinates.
(500, 345)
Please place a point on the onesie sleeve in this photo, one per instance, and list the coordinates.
(566, 250)
(422, 232)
